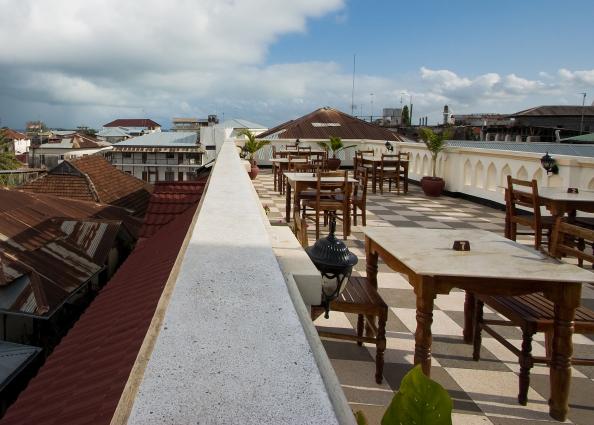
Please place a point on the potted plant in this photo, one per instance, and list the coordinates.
(250, 147)
(435, 142)
(335, 145)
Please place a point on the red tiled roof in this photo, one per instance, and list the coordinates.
(83, 379)
(169, 200)
(324, 123)
(93, 178)
(133, 122)
(12, 135)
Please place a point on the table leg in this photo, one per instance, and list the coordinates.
(468, 318)
(425, 292)
(566, 301)
(288, 203)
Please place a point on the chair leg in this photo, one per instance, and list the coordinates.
(360, 326)
(363, 215)
(380, 346)
(526, 364)
(354, 214)
(478, 328)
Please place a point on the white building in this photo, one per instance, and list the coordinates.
(78, 145)
(161, 156)
(18, 143)
(213, 137)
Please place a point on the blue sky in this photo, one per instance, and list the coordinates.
(269, 61)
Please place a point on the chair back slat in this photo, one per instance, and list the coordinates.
(571, 240)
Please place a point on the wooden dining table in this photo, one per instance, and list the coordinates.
(493, 266)
(375, 163)
(298, 182)
(559, 202)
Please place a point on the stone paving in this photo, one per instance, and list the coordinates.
(483, 392)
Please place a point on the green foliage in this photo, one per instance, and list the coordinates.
(7, 159)
(435, 143)
(334, 145)
(405, 115)
(252, 145)
(419, 400)
(360, 418)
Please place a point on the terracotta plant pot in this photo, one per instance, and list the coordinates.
(432, 186)
(333, 163)
(253, 173)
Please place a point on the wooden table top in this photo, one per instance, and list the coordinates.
(286, 160)
(429, 252)
(379, 159)
(310, 177)
(560, 194)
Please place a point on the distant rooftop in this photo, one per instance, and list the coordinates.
(324, 123)
(133, 122)
(556, 110)
(76, 141)
(240, 123)
(162, 139)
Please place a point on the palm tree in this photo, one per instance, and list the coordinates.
(435, 143)
(252, 145)
(335, 145)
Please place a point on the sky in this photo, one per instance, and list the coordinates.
(71, 62)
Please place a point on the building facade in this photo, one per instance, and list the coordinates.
(164, 156)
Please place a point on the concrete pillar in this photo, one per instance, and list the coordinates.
(508, 138)
(518, 138)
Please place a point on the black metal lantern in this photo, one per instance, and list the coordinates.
(334, 261)
(389, 146)
(549, 164)
(297, 141)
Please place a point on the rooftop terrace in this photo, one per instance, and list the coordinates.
(483, 392)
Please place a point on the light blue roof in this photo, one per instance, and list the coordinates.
(239, 123)
(112, 132)
(540, 148)
(13, 358)
(584, 138)
(170, 138)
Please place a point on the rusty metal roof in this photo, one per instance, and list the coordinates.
(82, 381)
(556, 110)
(324, 123)
(169, 200)
(93, 178)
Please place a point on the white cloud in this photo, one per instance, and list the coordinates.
(579, 77)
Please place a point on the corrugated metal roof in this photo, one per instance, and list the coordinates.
(77, 141)
(584, 138)
(240, 123)
(324, 123)
(93, 178)
(112, 132)
(555, 110)
(169, 200)
(13, 359)
(171, 138)
(82, 381)
(540, 148)
(133, 122)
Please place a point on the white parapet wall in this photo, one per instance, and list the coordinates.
(236, 345)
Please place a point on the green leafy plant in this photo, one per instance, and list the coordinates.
(419, 400)
(252, 145)
(435, 143)
(7, 158)
(334, 145)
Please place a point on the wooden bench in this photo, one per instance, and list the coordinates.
(532, 313)
(361, 298)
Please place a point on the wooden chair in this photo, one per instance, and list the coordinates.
(357, 159)
(534, 313)
(403, 169)
(275, 169)
(291, 147)
(361, 298)
(529, 216)
(329, 196)
(359, 197)
(389, 170)
(304, 148)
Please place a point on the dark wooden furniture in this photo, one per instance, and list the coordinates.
(403, 161)
(357, 158)
(522, 193)
(390, 171)
(533, 312)
(329, 196)
(361, 298)
(359, 197)
(494, 266)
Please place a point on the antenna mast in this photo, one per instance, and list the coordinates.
(353, 91)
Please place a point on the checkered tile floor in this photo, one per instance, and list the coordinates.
(483, 392)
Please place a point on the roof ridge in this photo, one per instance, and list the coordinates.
(92, 187)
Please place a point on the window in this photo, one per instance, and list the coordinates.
(169, 176)
(144, 157)
(170, 155)
(127, 155)
(180, 176)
